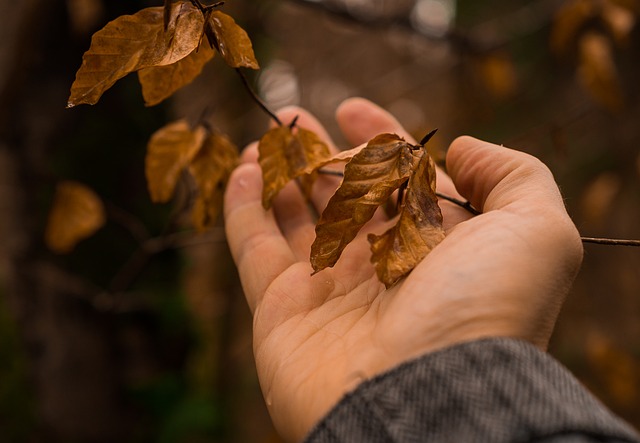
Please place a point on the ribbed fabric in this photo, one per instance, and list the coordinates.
(491, 390)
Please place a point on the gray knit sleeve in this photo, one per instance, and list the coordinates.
(491, 390)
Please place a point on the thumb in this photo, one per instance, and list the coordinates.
(493, 177)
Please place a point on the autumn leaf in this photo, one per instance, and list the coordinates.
(134, 42)
(211, 169)
(77, 213)
(619, 19)
(498, 74)
(598, 72)
(231, 41)
(286, 154)
(617, 369)
(567, 23)
(418, 230)
(170, 150)
(370, 178)
(160, 82)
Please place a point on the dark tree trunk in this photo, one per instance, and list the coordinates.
(68, 347)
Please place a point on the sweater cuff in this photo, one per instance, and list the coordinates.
(497, 390)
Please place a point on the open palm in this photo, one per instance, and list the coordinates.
(504, 273)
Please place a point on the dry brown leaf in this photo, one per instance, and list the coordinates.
(370, 178)
(619, 19)
(160, 82)
(133, 42)
(498, 74)
(418, 230)
(617, 368)
(77, 213)
(286, 154)
(231, 41)
(169, 152)
(598, 72)
(84, 15)
(211, 169)
(598, 199)
(568, 21)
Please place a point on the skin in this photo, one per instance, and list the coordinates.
(504, 273)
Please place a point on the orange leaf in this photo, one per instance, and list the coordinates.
(160, 82)
(598, 72)
(619, 19)
(231, 41)
(418, 230)
(169, 152)
(370, 178)
(77, 213)
(133, 42)
(568, 21)
(211, 169)
(286, 154)
(498, 74)
(617, 369)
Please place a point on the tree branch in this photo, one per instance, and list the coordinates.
(610, 241)
(480, 39)
(255, 97)
(597, 240)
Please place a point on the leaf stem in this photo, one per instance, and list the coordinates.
(198, 5)
(463, 204)
(330, 172)
(255, 97)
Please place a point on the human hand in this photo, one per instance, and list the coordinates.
(503, 273)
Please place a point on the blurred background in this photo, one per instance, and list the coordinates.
(131, 337)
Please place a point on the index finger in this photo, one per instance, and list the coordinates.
(260, 251)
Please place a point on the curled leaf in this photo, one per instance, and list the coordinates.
(231, 41)
(211, 169)
(285, 154)
(418, 230)
(567, 23)
(619, 19)
(370, 178)
(77, 213)
(133, 42)
(169, 152)
(598, 72)
(498, 74)
(160, 82)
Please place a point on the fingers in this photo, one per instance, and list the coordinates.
(495, 178)
(307, 121)
(259, 250)
(360, 120)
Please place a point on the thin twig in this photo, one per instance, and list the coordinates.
(255, 97)
(463, 204)
(333, 172)
(130, 271)
(198, 5)
(596, 240)
(480, 39)
(610, 241)
(128, 221)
